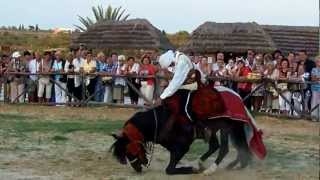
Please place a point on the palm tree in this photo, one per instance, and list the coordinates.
(100, 15)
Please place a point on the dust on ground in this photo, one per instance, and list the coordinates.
(47, 151)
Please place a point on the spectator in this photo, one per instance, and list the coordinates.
(109, 69)
(219, 57)
(315, 88)
(250, 61)
(132, 68)
(69, 68)
(244, 88)
(276, 56)
(205, 69)
(100, 89)
(221, 71)
(230, 67)
(32, 82)
(78, 68)
(271, 96)
(89, 66)
(60, 80)
(284, 74)
(119, 82)
(267, 58)
(297, 72)
(257, 96)
(308, 66)
(17, 85)
(147, 84)
(291, 59)
(4, 63)
(44, 84)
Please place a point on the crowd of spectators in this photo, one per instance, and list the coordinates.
(112, 89)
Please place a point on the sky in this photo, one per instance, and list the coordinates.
(168, 15)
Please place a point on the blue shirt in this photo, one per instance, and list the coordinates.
(315, 72)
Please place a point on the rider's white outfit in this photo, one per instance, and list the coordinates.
(183, 66)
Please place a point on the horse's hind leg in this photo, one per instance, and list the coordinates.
(224, 149)
(213, 146)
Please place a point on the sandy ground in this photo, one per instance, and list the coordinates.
(293, 150)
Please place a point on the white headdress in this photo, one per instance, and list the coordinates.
(166, 59)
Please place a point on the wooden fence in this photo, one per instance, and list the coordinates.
(261, 84)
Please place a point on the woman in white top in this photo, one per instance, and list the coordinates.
(132, 68)
(89, 66)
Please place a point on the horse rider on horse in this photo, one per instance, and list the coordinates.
(185, 76)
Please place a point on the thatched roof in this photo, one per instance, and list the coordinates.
(130, 34)
(294, 38)
(239, 37)
(229, 37)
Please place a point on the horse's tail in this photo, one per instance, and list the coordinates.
(240, 142)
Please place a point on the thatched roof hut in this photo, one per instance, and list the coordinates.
(211, 37)
(130, 34)
(294, 38)
(229, 37)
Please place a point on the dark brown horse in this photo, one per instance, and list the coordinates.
(144, 128)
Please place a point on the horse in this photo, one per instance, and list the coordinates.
(145, 127)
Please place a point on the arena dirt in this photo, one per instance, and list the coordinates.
(293, 148)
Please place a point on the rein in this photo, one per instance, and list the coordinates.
(155, 137)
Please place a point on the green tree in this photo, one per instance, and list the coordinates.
(100, 15)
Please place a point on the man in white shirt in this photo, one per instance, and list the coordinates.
(182, 66)
(32, 83)
(78, 64)
(183, 71)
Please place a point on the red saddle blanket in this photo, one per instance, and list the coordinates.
(226, 103)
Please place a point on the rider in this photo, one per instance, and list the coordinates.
(184, 77)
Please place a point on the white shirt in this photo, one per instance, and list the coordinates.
(183, 65)
(77, 63)
(119, 80)
(33, 68)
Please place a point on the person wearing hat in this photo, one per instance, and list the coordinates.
(184, 77)
(17, 81)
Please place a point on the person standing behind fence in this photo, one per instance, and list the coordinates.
(78, 68)
(109, 69)
(284, 74)
(315, 88)
(60, 80)
(132, 69)
(44, 84)
(100, 65)
(297, 72)
(89, 66)
(4, 63)
(257, 96)
(17, 81)
(205, 69)
(69, 68)
(244, 88)
(221, 70)
(32, 82)
(147, 84)
(308, 66)
(119, 82)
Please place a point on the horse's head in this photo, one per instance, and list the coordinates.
(129, 146)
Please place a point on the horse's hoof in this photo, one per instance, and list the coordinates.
(201, 165)
(210, 170)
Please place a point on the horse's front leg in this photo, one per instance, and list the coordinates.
(213, 146)
(175, 156)
(224, 149)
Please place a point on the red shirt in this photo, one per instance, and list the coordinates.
(244, 72)
(148, 70)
